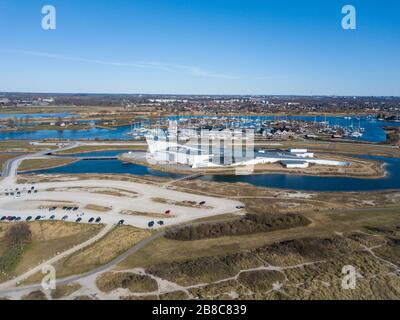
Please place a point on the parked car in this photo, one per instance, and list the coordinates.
(18, 219)
(35, 191)
(75, 208)
(151, 224)
(91, 220)
(78, 220)
(38, 218)
(168, 212)
(3, 218)
(29, 218)
(161, 223)
(239, 207)
(52, 217)
(202, 203)
(121, 222)
(98, 220)
(64, 218)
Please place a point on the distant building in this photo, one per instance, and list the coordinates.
(295, 164)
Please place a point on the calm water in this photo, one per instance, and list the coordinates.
(284, 181)
(90, 134)
(374, 131)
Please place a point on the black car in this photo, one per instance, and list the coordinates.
(161, 223)
(91, 220)
(151, 224)
(38, 218)
(35, 191)
(29, 218)
(64, 218)
(202, 203)
(121, 222)
(29, 191)
(13, 218)
(18, 219)
(75, 208)
(98, 219)
(78, 220)
(3, 218)
(52, 217)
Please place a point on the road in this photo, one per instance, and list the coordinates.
(81, 192)
(10, 167)
(95, 272)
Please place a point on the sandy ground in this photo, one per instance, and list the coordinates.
(29, 204)
(359, 168)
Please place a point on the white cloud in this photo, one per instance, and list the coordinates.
(193, 70)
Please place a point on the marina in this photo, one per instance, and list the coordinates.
(365, 128)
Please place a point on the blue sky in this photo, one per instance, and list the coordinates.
(201, 47)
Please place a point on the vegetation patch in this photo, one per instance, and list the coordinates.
(95, 207)
(62, 291)
(34, 295)
(103, 251)
(14, 240)
(37, 164)
(251, 223)
(260, 280)
(110, 281)
(47, 239)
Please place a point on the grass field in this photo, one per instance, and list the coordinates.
(83, 149)
(48, 238)
(4, 157)
(36, 164)
(21, 146)
(164, 250)
(106, 249)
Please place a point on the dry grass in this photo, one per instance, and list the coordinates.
(116, 192)
(95, 207)
(21, 146)
(4, 157)
(48, 239)
(106, 249)
(186, 203)
(36, 164)
(34, 295)
(64, 290)
(147, 214)
(110, 281)
(323, 224)
(84, 149)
